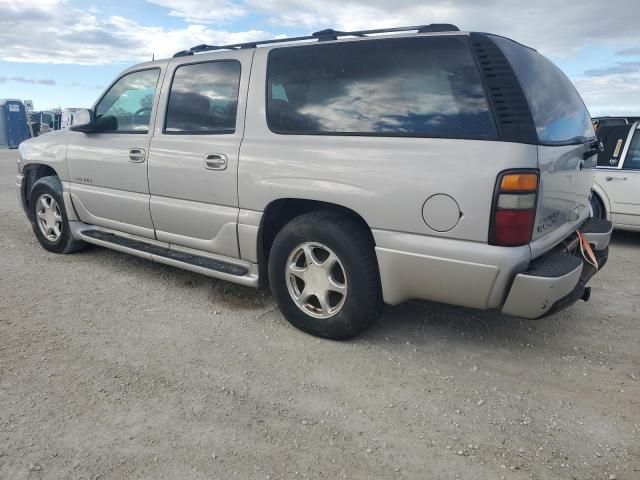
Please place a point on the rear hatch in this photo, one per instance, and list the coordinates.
(565, 141)
(565, 187)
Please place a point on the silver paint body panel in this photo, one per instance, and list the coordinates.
(171, 199)
(531, 297)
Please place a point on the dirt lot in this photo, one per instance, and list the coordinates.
(116, 367)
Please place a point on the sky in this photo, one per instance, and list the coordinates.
(63, 53)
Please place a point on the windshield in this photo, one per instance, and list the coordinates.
(559, 113)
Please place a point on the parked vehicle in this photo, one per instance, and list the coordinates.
(616, 191)
(66, 118)
(34, 119)
(14, 127)
(613, 121)
(43, 122)
(425, 163)
(57, 120)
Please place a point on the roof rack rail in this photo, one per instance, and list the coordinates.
(321, 36)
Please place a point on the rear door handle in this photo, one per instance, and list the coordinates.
(136, 155)
(609, 179)
(215, 161)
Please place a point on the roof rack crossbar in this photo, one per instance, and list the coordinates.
(322, 36)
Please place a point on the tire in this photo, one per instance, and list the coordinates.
(595, 205)
(355, 272)
(48, 190)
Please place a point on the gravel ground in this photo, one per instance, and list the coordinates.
(116, 367)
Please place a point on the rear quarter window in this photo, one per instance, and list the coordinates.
(559, 113)
(423, 87)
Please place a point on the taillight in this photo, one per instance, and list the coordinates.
(514, 208)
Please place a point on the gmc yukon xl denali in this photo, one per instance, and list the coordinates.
(345, 169)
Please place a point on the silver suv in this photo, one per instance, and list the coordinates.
(349, 169)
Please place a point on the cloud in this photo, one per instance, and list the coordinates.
(557, 31)
(619, 68)
(53, 31)
(196, 11)
(631, 52)
(612, 94)
(59, 32)
(39, 81)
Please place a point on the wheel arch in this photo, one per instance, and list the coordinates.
(280, 211)
(32, 173)
(602, 196)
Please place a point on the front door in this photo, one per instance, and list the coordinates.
(623, 185)
(193, 157)
(108, 167)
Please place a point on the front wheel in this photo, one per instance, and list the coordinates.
(324, 275)
(49, 217)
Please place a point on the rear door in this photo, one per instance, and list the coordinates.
(622, 185)
(193, 158)
(565, 137)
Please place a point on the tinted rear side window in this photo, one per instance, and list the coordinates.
(559, 113)
(400, 87)
(204, 98)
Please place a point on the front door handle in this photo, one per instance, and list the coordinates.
(136, 155)
(609, 179)
(215, 161)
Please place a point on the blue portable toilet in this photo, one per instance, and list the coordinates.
(14, 126)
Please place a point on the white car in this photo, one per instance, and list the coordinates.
(616, 190)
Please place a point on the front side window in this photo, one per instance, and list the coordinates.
(204, 98)
(559, 113)
(632, 161)
(424, 87)
(126, 107)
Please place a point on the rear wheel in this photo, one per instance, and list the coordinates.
(324, 275)
(595, 206)
(49, 217)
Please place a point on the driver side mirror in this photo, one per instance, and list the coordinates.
(83, 121)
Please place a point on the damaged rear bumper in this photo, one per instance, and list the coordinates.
(558, 279)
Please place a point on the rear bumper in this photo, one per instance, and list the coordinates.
(457, 272)
(558, 279)
(477, 275)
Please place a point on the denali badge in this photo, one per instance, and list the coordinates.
(548, 222)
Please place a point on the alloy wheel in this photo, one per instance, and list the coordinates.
(316, 280)
(49, 217)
